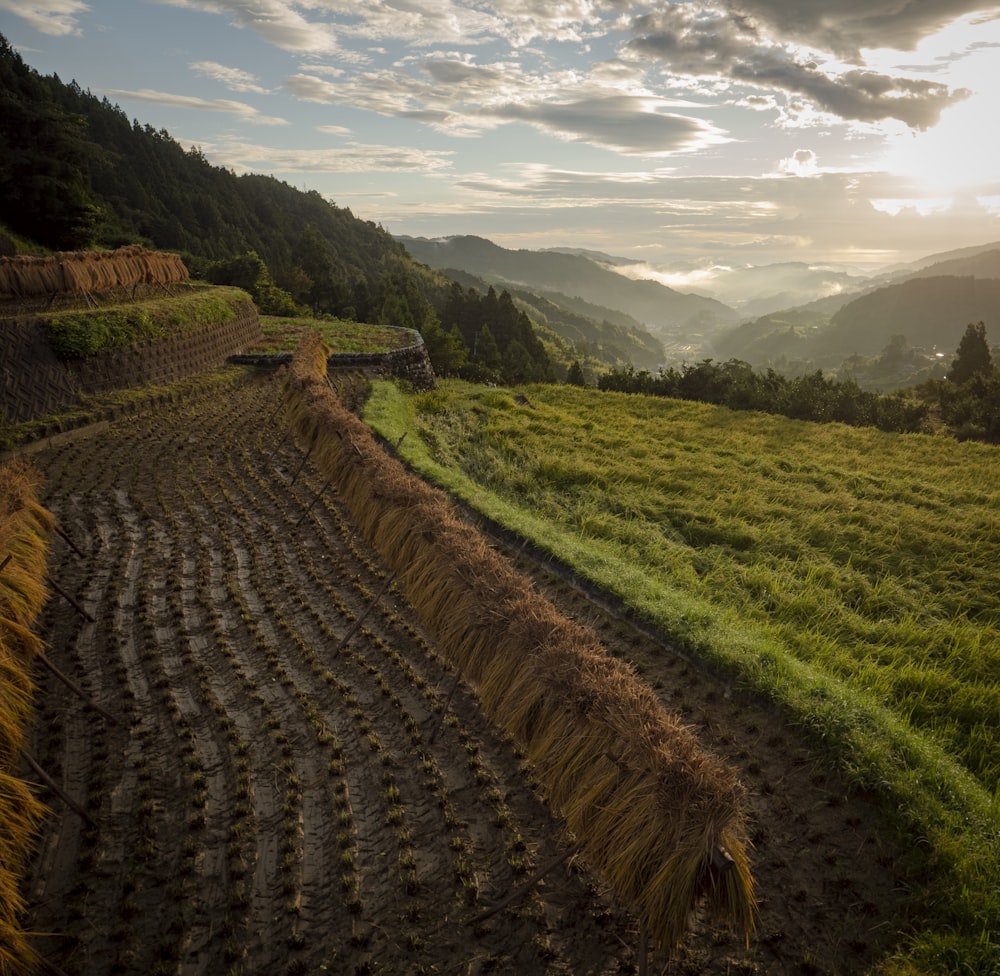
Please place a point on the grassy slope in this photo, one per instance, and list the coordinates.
(282, 335)
(848, 574)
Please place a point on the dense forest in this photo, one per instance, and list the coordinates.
(76, 173)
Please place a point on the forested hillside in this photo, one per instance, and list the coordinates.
(75, 172)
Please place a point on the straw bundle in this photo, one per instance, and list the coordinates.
(88, 272)
(659, 818)
(24, 530)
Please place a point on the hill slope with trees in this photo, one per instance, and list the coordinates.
(664, 311)
(76, 173)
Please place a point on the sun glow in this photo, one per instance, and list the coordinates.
(954, 155)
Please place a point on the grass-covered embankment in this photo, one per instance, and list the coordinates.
(84, 332)
(282, 335)
(849, 575)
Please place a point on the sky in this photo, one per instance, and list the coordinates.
(684, 135)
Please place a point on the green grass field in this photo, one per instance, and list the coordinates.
(850, 575)
(282, 335)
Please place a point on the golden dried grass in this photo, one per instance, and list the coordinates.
(24, 532)
(660, 819)
(88, 272)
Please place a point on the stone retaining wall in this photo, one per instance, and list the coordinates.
(35, 383)
(410, 363)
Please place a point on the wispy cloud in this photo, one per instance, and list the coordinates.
(246, 112)
(54, 17)
(460, 97)
(353, 158)
(628, 124)
(233, 78)
(277, 21)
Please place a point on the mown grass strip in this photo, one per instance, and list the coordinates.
(282, 335)
(849, 575)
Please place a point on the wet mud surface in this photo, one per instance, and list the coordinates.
(283, 789)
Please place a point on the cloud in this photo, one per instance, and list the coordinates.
(53, 17)
(423, 23)
(419, 23)
(735, 45)
(246, 112)
(465, 99)
(848, 26)
(802, 162)
(354, 158)
(632, 125)
(461, 75)
(276, 21)
(858, 95)
(233, 78)
(773, 218)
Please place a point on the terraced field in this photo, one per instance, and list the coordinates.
(294, 782)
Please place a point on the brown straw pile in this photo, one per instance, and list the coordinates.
(659, 819)
(88, 272)
(24, 532)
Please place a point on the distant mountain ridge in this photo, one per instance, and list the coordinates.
(928, 302)
(665, 312)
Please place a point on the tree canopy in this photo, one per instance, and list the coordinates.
(973, 355)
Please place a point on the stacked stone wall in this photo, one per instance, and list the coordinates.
(410, 363)
(35, 383)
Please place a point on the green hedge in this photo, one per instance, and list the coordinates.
(89, 332)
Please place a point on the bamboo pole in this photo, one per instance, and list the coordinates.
(75, 688)
(66, 596)
(387, 582)
(526, 886)
(58, 790)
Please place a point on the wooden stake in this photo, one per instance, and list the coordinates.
(386, 583)
(75, 688)
(447, 702)
(274, 412)
(6, 559)
(301, 466)
(284, 437)
(526, 886)
(316, 498)
(69, 599)
(69, 542)
(52, 785)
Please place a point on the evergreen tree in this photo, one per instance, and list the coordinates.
(446, 350)
(575, 377)
(487, 353)
(314, 258)
(973, 355)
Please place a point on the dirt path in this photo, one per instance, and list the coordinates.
(284, 792)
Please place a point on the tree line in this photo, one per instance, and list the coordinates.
(967, 401)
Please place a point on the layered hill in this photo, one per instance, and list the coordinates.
(929, 304)
(667, 313)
